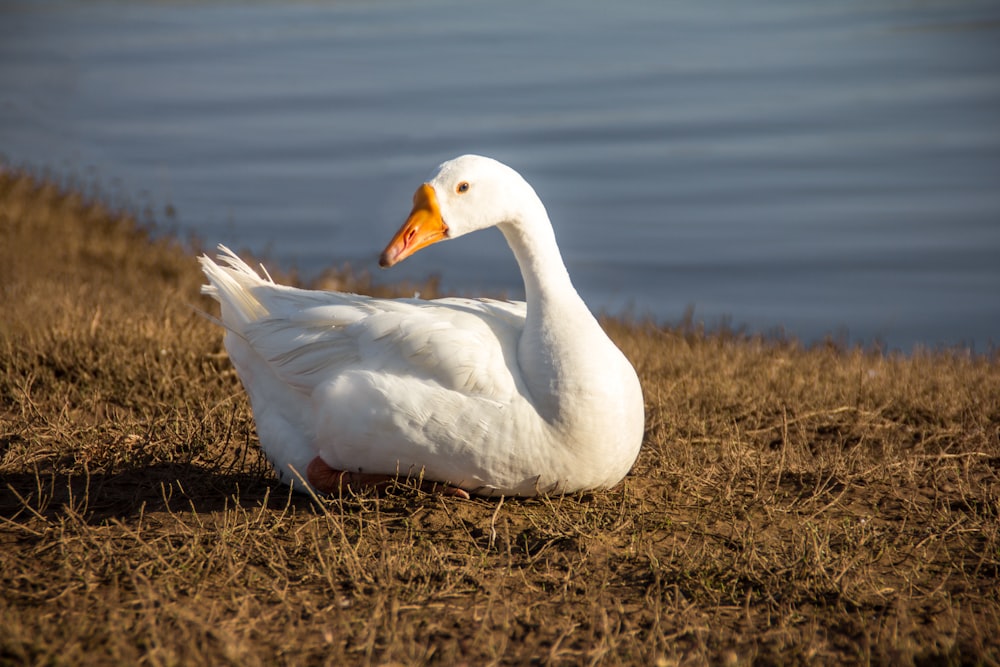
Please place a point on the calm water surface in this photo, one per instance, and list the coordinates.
(828, 168)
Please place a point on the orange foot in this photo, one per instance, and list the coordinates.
(325, 479)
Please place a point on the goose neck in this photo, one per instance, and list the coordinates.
(546, 279)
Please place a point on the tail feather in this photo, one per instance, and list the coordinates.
(231, 283)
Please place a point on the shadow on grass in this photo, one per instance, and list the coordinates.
(99, 497)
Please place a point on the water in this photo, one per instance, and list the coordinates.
(826, 168)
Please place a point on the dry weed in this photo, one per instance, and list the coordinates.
(790, 506)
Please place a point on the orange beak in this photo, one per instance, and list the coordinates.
(424, 227)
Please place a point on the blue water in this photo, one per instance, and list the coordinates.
(825, 168)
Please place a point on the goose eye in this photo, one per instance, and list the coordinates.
(462, 188)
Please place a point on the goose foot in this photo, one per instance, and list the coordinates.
(325, 479)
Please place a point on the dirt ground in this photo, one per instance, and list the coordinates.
(791, 505)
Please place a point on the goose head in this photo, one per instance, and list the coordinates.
(465, 194)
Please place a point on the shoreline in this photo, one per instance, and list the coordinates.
(339, 275)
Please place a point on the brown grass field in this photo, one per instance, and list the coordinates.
(791, 505)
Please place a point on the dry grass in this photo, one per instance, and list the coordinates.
(790, 506)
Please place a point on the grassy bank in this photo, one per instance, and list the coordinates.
(790, 505)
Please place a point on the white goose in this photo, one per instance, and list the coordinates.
(482, 396)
